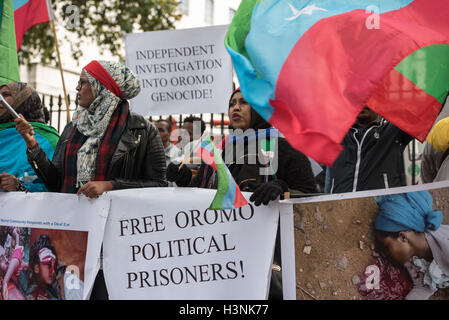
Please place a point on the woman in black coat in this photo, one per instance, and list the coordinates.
(106, 146)
(242, 153)
(282, 168)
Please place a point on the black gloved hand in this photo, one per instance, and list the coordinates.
(268, 191)
(179, 174)
(172, 171)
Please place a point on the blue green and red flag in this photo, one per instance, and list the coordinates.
(28, 13)
(228, 194)
(9, 65)
(310, 66)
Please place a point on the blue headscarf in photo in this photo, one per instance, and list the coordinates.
(407, 211)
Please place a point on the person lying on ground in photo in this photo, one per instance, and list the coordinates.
(410, 232)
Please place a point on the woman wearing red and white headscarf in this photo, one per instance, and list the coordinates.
(87, 159)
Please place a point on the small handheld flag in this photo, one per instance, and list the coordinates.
(228, 194)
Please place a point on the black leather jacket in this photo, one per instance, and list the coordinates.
(138, 161)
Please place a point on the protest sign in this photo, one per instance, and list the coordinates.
(164, 243)
(181, 71)
(337, 252)
(52, 242)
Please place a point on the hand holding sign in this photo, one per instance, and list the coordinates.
(94, 189)
(8, 182)
(26, 130)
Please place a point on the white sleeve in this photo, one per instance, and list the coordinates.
(420, 291)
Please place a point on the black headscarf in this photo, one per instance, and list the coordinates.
(246, 175)
(257, 122)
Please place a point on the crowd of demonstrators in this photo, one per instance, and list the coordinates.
(293, 173)
(372, 157)
(108, 147)
(16, 173)
(410, 232)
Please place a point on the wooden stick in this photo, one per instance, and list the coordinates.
(298, 286)
(60, 69)
(302, 294)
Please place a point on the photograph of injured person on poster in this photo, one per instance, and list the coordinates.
(41, 264)
(380, 247)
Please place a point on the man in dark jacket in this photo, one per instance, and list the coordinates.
(372, 156)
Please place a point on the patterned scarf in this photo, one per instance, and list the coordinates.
(106, 150)
(94, 121)
(75, 142)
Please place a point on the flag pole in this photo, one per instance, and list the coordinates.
(52, 21)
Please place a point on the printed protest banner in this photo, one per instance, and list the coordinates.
(50, 245)
(181, 71)
(342, 251)
(164, 243)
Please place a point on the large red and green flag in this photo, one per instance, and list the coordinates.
(309, 67)
(228, 194)
(9, 65)
(28, 13)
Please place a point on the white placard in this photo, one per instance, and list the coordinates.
(288, 251)
(73, 225)
(163, 243)
(181, 71)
